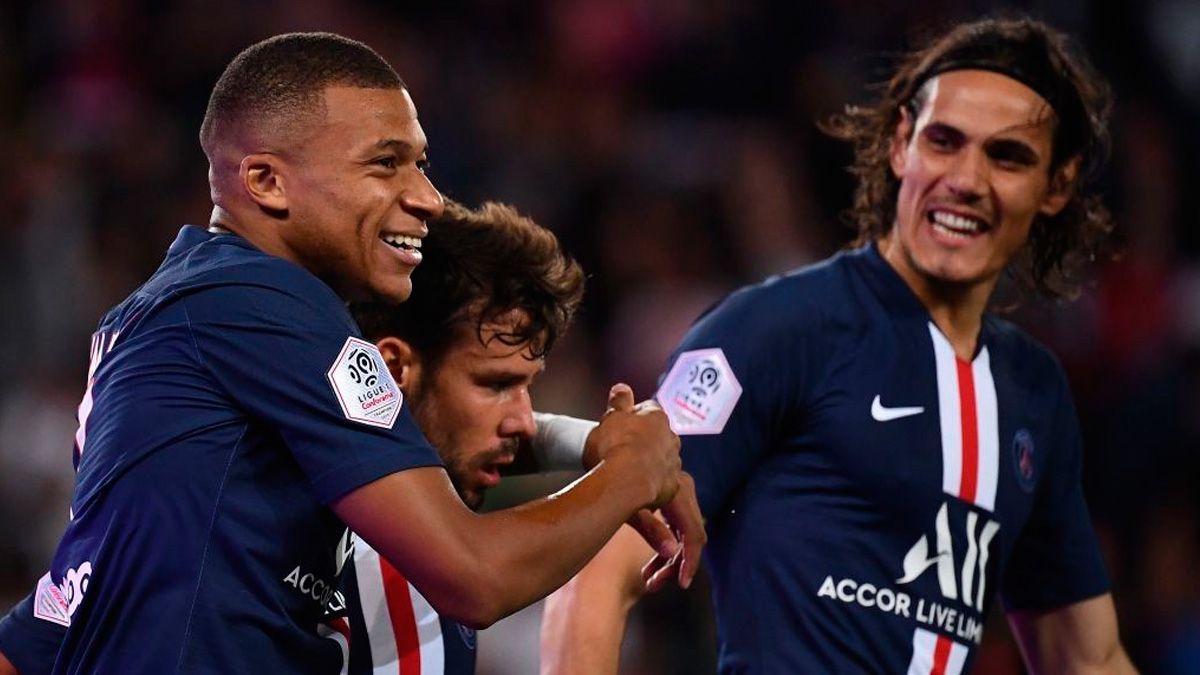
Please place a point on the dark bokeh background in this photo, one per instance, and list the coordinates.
(671, 144)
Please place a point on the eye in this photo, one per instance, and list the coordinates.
(387, 162)
(423, 165)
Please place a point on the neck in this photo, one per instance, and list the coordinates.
(955, 308)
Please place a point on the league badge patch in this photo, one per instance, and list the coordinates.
(363, 386)
(50, 604)
(700, 392)
(1023, 462)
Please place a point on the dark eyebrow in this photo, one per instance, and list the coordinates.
(399, 146)
(954, 133)
(1013, 149)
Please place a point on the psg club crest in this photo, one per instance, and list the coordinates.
(700, 392)
(363, 386)
(1023, 460)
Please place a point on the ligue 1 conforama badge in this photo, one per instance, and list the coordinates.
(1023, 463)
(699, 392)
(363, 386)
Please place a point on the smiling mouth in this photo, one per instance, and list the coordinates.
(955, 225)
(402, 242)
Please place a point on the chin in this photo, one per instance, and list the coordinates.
(394, 293)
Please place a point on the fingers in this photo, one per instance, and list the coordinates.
(658, 571)
(656, 533)
(683, 515)
(620, 397)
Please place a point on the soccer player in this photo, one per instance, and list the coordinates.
(235, 424)
(496, 292)
(877, 455)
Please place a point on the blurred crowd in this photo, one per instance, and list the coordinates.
(671, 144)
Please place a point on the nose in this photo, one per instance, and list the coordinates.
(967, 176)
(421, 198)
(518, 417)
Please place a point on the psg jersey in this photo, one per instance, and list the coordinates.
(229, 400)
(868, 492)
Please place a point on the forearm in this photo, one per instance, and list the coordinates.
(478, 568)
(1079, 639)
(583, 623)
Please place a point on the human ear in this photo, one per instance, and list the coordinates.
(898, 154)
(402, 362)
(262, 178)
(1062, 187)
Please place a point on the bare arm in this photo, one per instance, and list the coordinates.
(583, 623)
(478, 568)
(1079, 638)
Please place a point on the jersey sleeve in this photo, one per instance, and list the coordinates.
(737, 378)
(294, 362)
(30, 643)
(1056, 560)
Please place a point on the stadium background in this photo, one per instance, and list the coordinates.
(671, 145)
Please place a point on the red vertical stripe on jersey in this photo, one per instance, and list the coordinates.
(342, 626)
(941, 655)
(970, 432)
(404, 623)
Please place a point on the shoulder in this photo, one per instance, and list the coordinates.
(226, 278)
(795, 301)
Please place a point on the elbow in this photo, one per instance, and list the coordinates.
(475, 603)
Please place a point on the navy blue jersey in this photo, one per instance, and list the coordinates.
(230, 399)
(868, 492)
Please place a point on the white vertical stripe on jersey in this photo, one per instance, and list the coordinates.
(372, 596)
(987, 420)
(924, 643)
(429, 634)
(958, 659)
(948, 411)
(924, 647)
(989, 432)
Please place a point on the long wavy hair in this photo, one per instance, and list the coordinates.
(1052, 260)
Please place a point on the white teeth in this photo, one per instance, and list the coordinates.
(401, 240)
(956, 224)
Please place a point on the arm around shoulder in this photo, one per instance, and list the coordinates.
(1080, 638)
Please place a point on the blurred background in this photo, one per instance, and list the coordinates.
(671, 145)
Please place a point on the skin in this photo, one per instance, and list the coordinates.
(324, 198)
(473, 405)
(321, 196)
(980, 148)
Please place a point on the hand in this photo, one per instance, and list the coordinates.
(639, 438)
(685, 524)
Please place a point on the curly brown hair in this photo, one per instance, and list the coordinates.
(1052, 261)
(479, 265)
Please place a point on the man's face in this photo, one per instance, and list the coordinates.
(474, 408)
(974, 171)
(358, 197)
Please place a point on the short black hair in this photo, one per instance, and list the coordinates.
(479, 265)
(285, 75)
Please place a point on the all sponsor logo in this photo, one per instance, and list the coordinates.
(363, 386)
(963, 582)
(700, 392)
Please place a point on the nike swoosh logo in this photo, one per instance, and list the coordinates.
(882, 414)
